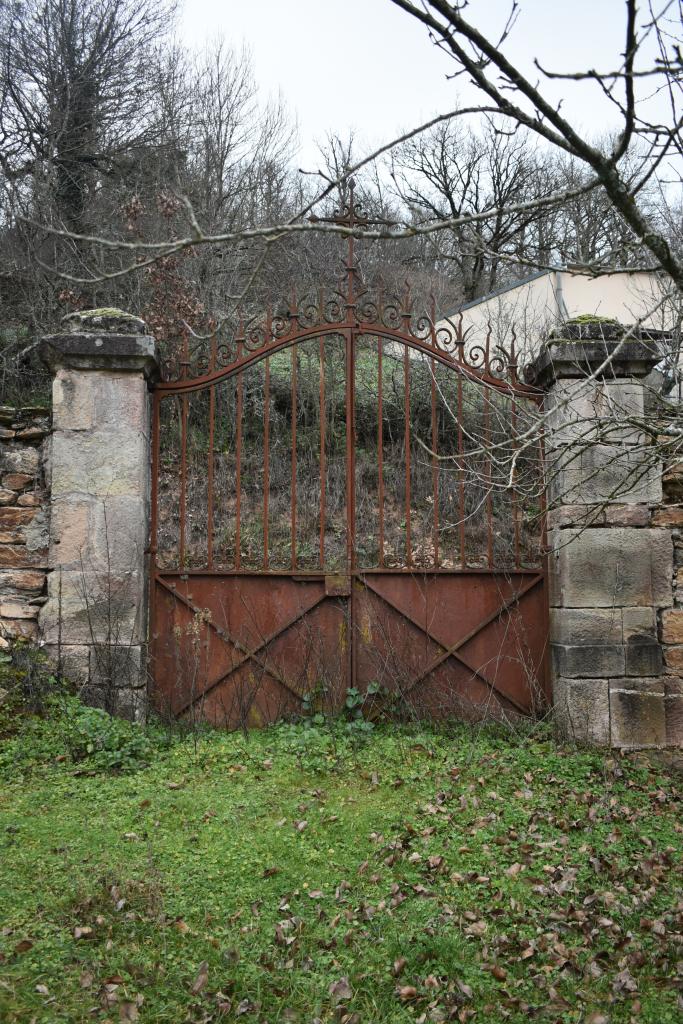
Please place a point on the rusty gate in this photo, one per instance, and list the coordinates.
(347, 497)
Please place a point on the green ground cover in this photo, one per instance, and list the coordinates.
(327, 873)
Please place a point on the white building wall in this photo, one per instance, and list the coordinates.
(536, 306)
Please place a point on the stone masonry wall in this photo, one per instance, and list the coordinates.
(24, 519)
(616, 633)
(95, 619)
(669, 516)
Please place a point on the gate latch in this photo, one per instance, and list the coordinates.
(337, 586)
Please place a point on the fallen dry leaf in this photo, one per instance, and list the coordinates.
(340, 991)
(200, 982)
(398, 966)
(406, 993)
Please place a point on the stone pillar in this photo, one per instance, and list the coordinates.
(610, 570)
(94, 621)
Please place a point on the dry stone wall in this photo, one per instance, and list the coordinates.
(24, 519)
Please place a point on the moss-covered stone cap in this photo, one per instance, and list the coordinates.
(573, 360)
(106, 320)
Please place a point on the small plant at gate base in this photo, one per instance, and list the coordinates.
(106, 743)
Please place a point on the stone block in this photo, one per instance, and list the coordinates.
(637, 719)
(599, 473)
(575, 515)
(649, 684)
(31, 434)
(581, 710)
(118, 532)
(673, 659)
(672, 480)
(37, 534)
(72, 660)
(643, 656)
(20, 459)
(69, 525)
(606, 567)
(31, 500)
(11, 517)
(26, 629)
(627, 515)
(73, 400)
(672, 626)
(22, 581)
(89, 604)
(99, 535)
(99, 464)
(17, 536)
(118, 678)
(17, 610)
(639, 622)
(673, 714)
(590, 660)
(581, 409)
(14, 556)
(669, 515)
(130, 704)
(576, 626)
(7, 497)
(121, 398)
(17, 481)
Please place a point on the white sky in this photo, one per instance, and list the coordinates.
(367, 65)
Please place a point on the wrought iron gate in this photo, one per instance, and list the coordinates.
(345, 496)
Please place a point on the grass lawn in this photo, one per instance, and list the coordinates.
(316, 874)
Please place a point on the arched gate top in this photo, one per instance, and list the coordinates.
(350, 309)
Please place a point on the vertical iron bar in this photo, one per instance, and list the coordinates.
(209, 515)
(183, 478)
(153, 527)
(323, 465)
(461, 474)
(154, 497)
(515, 507)
(487, 477)
(380, 450)
(351, 492)
(435, 469)
(238, 469)
(266, 460)
(547, 687)
(406, 441)
(351, 448)
(293, 495)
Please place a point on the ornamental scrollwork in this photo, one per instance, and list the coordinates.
(355, 309)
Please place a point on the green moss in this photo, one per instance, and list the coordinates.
(591, 318)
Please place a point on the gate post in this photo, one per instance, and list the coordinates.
(610, 571)
(94, 623)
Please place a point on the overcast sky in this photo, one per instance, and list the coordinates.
(365, 64)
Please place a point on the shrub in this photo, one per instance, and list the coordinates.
(107, 744)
